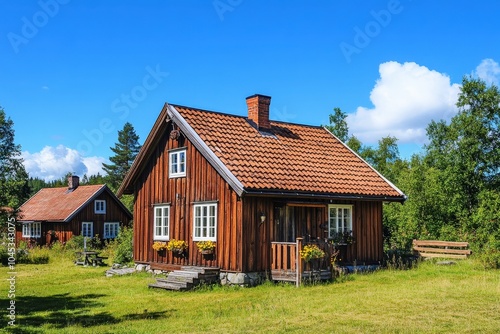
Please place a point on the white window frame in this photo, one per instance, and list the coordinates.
(32, 230)
(338, 223)
(113, 228)
(205, 222)
(161, 222)
(91, 224)
(177, 166)
(100, 206)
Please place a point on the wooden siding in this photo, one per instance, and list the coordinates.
(64, 231)
(243, 242)
(307, 219)
(201, 183)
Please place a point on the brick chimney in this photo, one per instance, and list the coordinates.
(258, 110)
(73, 182)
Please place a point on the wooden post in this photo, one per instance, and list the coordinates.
(298, 266)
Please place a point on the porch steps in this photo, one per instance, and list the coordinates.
(187, 278)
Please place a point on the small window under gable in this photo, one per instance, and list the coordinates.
(99, 206)
(177, 163)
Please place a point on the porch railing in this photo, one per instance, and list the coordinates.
(286, 264)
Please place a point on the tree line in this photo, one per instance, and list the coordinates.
(453, 185)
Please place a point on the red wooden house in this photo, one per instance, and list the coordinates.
(252, 186)
(59, 213)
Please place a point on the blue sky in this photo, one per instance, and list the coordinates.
(72, 72)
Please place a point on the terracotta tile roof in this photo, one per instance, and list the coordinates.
(57, 204)
(292, 158)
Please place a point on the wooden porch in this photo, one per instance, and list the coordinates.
(286, 264)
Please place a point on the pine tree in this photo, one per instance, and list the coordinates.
(125, 151)
(14, 189)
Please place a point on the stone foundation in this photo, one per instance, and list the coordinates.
(241, 279)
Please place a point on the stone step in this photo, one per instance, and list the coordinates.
(187, 278)
(202, 270)
(169, 286)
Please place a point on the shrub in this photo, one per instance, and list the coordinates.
(76, 243)
(124, 249)
(120, 250)
(36, 255)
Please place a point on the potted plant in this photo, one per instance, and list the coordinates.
(206, 247)
(160, 247)
(177, 246)
(310, 252)
(342, 238)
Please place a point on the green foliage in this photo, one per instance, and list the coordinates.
(338, 125)
(120, 250)
(453, 188)
(125, 150)
(24, 253)
(467, 150)
(14, 189)
(77, 243)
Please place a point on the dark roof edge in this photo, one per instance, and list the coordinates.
(205, 150)
(295, 194)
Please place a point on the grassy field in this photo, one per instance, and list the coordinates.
(60, 297)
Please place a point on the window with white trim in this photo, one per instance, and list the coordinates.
(177, 163)
(32, 230)
(161, 222)
(205, 222)
(111, 230)
(100, 206)
(88, 229)
(339, 219)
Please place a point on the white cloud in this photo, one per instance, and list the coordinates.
(406, 98)
(53, 163)
(489, 71)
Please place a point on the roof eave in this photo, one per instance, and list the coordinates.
(324, 196)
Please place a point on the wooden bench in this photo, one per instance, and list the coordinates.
(97, 261)
(441, 249)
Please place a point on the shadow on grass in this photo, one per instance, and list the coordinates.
(62, 310)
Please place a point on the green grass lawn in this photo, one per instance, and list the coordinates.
(60, 297)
